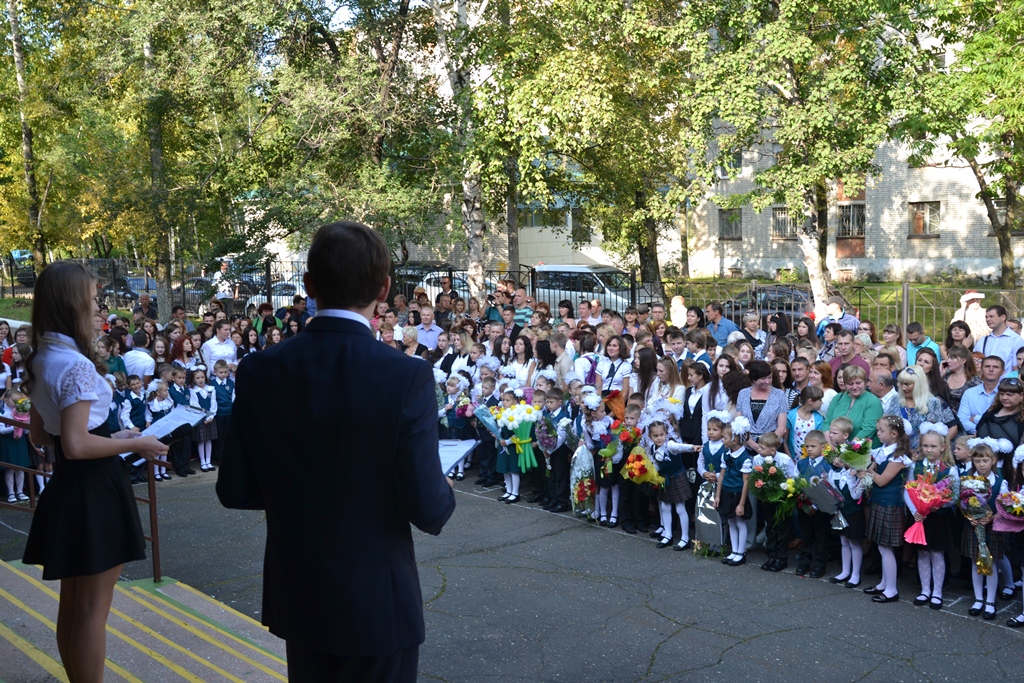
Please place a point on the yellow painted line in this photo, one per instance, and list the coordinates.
(53, 627)
(153, 654)
(204, 596)
(35, 654)
(241, 641)
(204, 636)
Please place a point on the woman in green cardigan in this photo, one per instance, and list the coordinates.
(105, 349)
(857, 404)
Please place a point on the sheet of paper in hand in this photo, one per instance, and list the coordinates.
(451, 451)
(164, 427)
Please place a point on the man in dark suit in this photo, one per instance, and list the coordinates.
(351, 461)
(508, 315)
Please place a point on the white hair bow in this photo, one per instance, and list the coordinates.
(740, 426)
(934, 428)
(439, 376)
(908, 427)
(720, 415)
(1018, 456)
(592, 401)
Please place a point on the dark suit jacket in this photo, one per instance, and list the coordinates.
(513, 333)
(343, 456)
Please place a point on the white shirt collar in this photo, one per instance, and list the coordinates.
(344, 315)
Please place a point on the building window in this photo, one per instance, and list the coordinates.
(1000, 203)
(784, 227)
(924, 218)
(730, 224)
(851, 220)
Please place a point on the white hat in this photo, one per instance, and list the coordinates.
(970, 295)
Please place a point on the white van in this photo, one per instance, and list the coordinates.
(609, 285)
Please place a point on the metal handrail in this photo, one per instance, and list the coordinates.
(154, 533)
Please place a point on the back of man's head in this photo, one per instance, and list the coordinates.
(140, 339)
(348, 265)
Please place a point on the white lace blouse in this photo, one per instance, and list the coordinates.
(63, 377)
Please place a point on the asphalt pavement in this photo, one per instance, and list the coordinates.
(512, 593)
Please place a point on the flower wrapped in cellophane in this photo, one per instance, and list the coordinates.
(520, 420)
(488, 418)
(974, 496)
(640, 470)
(582, 482)
(856, 453)
(1009, 512)
(927, 496)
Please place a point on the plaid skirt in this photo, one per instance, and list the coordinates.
(676, 489)
(204, 432)
(995, 540)
(886, 524)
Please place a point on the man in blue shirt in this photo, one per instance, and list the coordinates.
(718, 325)
(917, 340)
(427, 331)
(834, 313)
(1001, 341)
(979, 398)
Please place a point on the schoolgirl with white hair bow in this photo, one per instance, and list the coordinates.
(935, 465)
(732, 492)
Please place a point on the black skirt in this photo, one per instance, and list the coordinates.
(87, 520)
(728, 502)
(858, 526)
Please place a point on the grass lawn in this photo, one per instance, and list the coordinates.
(16, 309)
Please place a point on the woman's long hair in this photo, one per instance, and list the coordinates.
(63, 303)
(895, 422)
(714, 387)
(648, 370)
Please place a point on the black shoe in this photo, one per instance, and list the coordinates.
(459, 476)
(628, 527)
(989, 616)
(921, 600)
(503, 497)
(726, 560)
(512, 499)
(802, 570)
(935, 605)
(190, 470)
(550, 506)
(779, 566)
(1007, 593)
(880, 598)
(851, 585)
(836, 579)
(561, 507)
(664, 542)
(681, 546)
(975, 611)
(736, 563)
(182, 473)
(1015, 622)
(479, 481)
(815, 574)
(211, 468)
(655, 534)
(873, 591)
(613, 522)
(603, 521)
(642, 528)
(767, 566)
(535, 498)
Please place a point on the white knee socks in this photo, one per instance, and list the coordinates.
(602, 502)
(888, 582)
(615, 501)
(205, 448)
(508, 483)
(666, 519)
(684, 522)
(515, 484)
(738, 536)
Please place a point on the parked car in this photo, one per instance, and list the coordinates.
(611, 286)
(194, 294)
(460, 285)
(793, 300)
(282, 293)
(123, 292)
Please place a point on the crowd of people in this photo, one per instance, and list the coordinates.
(710, 399)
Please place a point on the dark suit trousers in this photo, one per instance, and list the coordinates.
(777, 535)
(311, 666)
(558, 484)
(222, 433)
(815, 531)
(486, 454)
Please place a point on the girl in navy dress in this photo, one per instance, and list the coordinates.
(203, 397)
(731, 493)
(14, 450)
(936, 464)
(888, 471)
(158, 407)
(985, 460)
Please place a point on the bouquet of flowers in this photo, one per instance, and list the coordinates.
(927, 496)
(465, 407)
(547, 434)
(442, 403)
(487, 417)
(856, 453)
(618, 434)
(826, 498)
(572, 439)
(769, 484)
(582, 482)
(639, 469)
(520, 419)
(974, 495)
(1009, 512)
(22, 408)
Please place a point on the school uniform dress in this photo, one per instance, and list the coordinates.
(87, 520)
(595, 432)
(13, 449)
(710, 458)
(995, 540)
(204, 399)
(157, 409)
(938, 525)
(224, 390)
(888, 517)
(677, 487)
(734, 466)
(458, 427)
(852, 490)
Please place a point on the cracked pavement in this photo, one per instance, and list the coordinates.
(512, 593)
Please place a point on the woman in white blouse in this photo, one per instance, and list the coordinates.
(614, 369)
(86, 525)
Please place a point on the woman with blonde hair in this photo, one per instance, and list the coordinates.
(918, 405)
(86, 525)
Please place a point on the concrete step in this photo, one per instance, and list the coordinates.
(156, 632)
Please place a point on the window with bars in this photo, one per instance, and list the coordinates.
(851, 220)
(784, 226)
(730, 224)
(924, 218)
